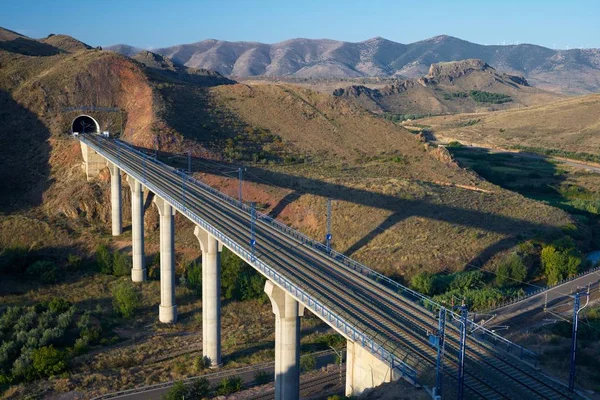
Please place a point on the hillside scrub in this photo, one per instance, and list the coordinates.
(487, 97)
(126, 298)
(35, 341)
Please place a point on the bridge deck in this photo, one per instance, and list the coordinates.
(400, 326)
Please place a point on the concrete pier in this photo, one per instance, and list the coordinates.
(167, 311)
(364, 370)
(138, 271)
(115, 199)
(211, 296)
(287, 342)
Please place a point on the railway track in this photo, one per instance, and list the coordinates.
(399, 325)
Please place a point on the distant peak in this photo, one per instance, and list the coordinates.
(455, 69)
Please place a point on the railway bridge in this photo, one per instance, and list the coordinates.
(391, 330)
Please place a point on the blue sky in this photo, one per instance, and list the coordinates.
(152, 23)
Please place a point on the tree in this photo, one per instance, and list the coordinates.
(511, 270)
(308, 362)
(47, 361)
(193, 272)
(126, 299)
(121, 264)
(104, 259)
(560, 260)
(423, 282)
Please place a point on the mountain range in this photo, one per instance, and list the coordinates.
(574, 71)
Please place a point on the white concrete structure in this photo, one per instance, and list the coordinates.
(364, 370)
(287, 312)
(211, 296)
(93, 162)
(167, 311)
(138, 271)
(115, 199)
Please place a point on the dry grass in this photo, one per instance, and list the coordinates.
(572, 124)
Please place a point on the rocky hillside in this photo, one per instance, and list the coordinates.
(447, 88)
(569, 71)
(301, 147)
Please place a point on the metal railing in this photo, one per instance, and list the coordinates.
(316, 306)
(427, 303)
(541, 290)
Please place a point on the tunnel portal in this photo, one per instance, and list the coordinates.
(85, 124)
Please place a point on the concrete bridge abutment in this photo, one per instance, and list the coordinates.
(167, 311)
(138, 270)
(364, 370)
(93, 162)
(287, 312)
(115, 199)
(211, 296)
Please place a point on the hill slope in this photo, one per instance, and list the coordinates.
(569, 71)
(446, 89)
(571, 124)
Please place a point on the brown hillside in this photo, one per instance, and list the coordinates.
(65, 42)
(572, 124)
(399, 205)
(445, 89)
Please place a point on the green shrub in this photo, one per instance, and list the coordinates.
(262, 377)
(200, 363)
(45, 271)
(308, 362)
(74, 261)
(229, 385)
(454, 144)
(104, 259)
(59, 305)
(198, 389)
(239, 281)
(488, 97)
(14, 259)
(511, 271)
(121, 264)
(560, 260)
(467, 280)
(193, 273)
(47, 361)
(177, 392)
(423, 282)
(126, 299)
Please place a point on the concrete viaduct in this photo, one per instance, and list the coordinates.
(388, 327)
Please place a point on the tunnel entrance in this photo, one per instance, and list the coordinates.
(85, 124)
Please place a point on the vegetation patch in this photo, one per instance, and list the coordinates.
(488, 97)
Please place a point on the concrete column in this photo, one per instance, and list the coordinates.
(167, 311)
(364, 370)
(138, 272)
(287, 342)
(115, 199)
(211, 296)
(93, 162)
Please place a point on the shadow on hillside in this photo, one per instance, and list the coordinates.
(29, 47)
(514, 229)
(24, 156)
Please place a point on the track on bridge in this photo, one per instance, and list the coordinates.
(399, 325)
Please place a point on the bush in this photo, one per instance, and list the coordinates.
(14, 259)
(59, 305)
(104, 260)
(198, 389)
(467, 280)
(47, 361)
(126, 299)
(262, 377)
(121, 264)
(45, 271)
(200, 363)
(308, 362)
(423, 282)
(511, 271)
(229, 385)
(193, 273)
(560, 260)
(177, 392)
(239, 281)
